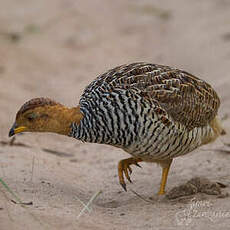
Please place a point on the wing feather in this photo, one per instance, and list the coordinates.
(186, 98)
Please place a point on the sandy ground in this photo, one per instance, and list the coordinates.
(55, 48)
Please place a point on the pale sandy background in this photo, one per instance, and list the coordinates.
(55, 48)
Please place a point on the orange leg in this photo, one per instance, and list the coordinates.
(125, 169)
(165, 169)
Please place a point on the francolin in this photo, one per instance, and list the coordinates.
(153, 112)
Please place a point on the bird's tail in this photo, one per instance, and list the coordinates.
(223, 132)
(217, 127)
(217, 131)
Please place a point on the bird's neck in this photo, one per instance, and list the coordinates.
(63, 117)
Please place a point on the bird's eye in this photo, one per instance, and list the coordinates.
(31, 117)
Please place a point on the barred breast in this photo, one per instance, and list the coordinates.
(151, 111)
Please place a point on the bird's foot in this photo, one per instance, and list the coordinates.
(161, 192)
(125, 169)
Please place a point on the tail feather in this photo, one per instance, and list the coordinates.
(217, 127)
(218, 130)
(223, 132)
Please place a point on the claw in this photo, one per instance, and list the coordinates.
(138, 165)
(123, 186)
(124, 169)
(130, 170)
(129, 179)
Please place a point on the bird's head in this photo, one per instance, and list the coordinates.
(45, 115)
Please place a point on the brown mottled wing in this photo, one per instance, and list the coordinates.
(186, 98)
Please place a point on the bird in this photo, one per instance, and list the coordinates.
(153, 112)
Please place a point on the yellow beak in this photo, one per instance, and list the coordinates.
(16, 129)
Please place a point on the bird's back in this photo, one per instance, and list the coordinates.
(143, 106)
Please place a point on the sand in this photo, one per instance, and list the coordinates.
(54, 49)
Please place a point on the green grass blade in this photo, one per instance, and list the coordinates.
(10, 191)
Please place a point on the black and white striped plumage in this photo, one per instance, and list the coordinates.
(153, 112)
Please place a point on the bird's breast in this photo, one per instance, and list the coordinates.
(138, 126)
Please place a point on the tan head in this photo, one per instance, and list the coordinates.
(45, 115)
